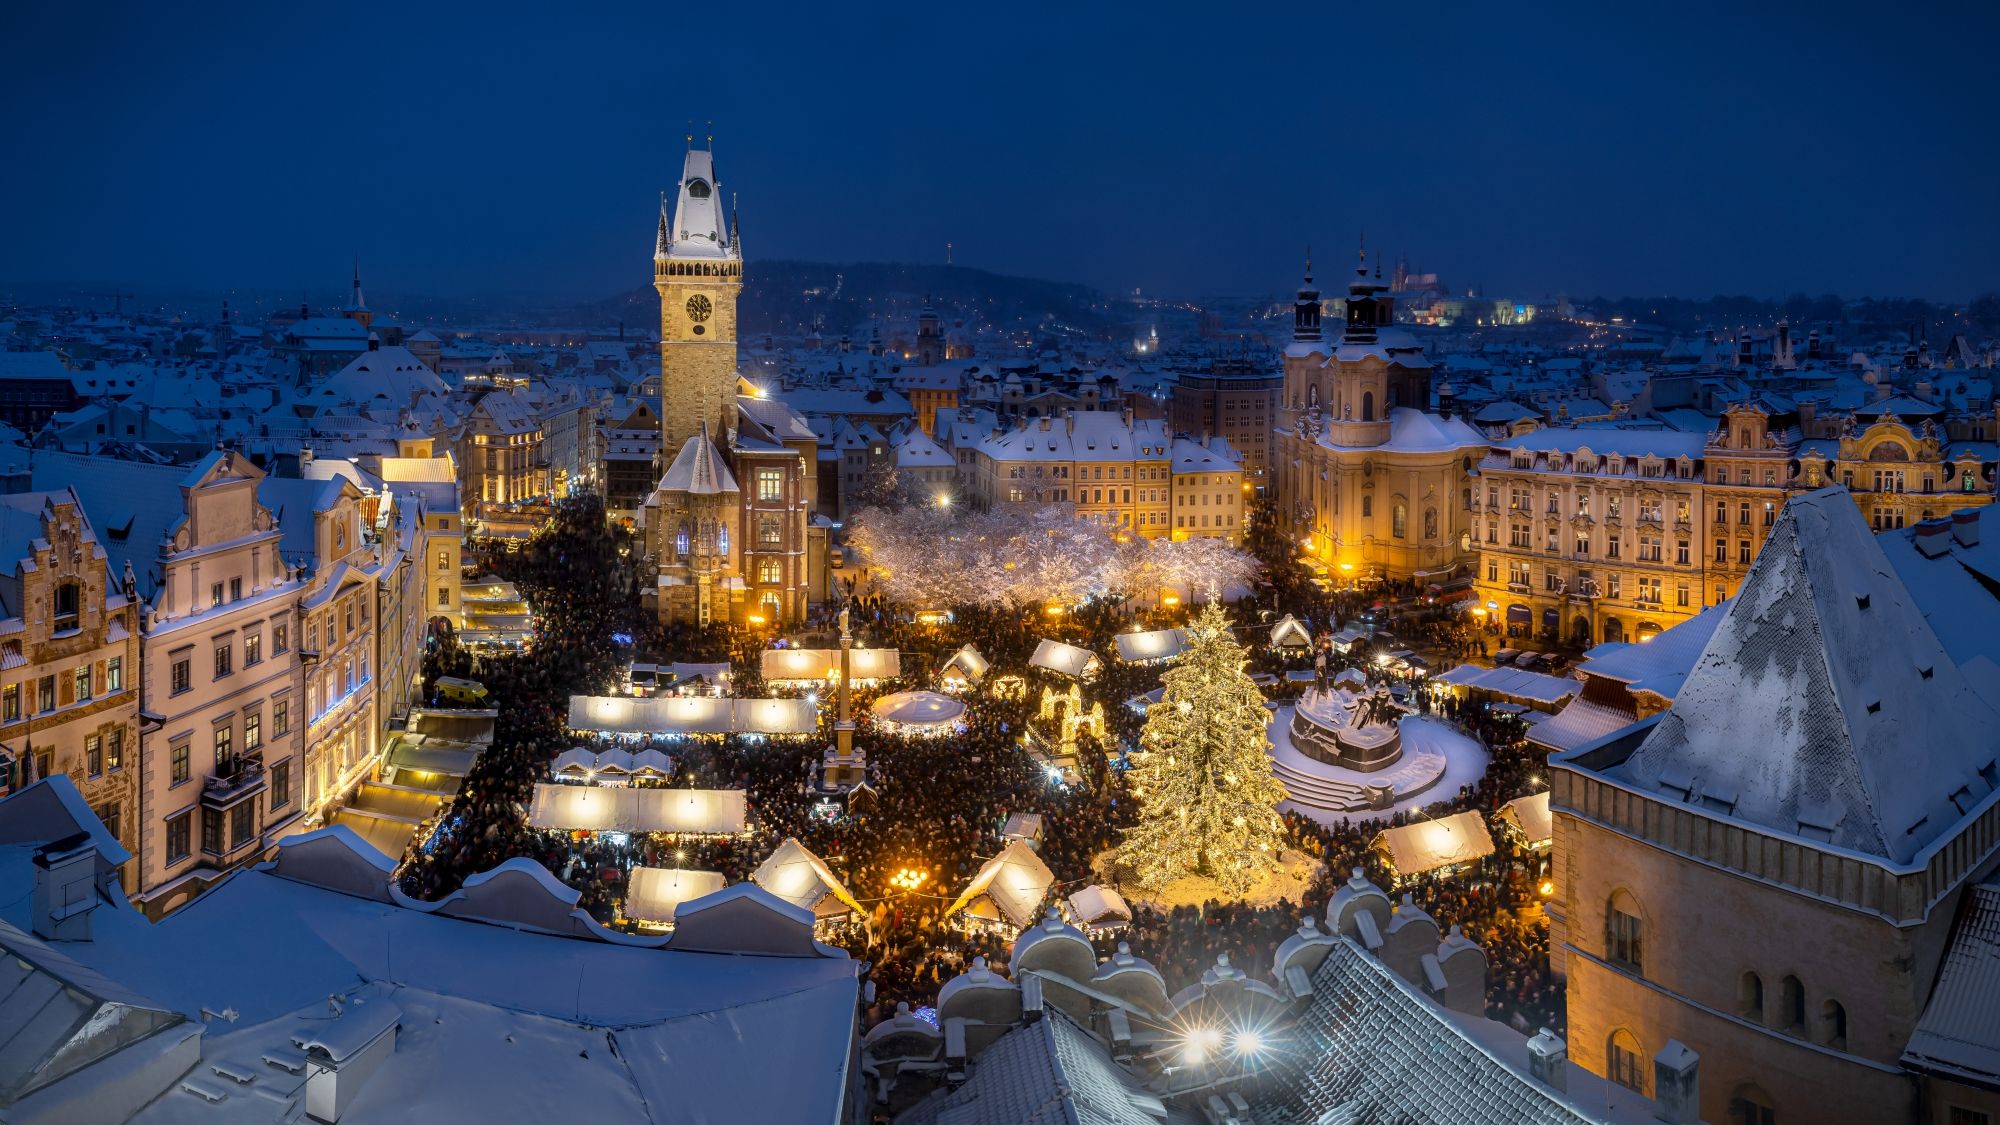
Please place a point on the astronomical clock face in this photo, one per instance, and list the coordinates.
(698, 308)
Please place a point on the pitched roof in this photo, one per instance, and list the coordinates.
(1049, 1072)
(698, 468)
(1864, 730)
(1957, 1034)
(132, 505)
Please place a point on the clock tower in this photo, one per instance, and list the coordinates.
(698, 270)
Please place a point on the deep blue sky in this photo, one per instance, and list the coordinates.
(1188, 148)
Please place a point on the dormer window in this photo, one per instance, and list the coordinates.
(697, 189)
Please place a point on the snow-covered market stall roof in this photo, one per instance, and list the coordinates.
(967, 663)
(1151, 646)
(809, 665)
(1529, 816)
(1099, 905)
(591, 808)
(579, 764)
(794, 873)
(1513, 683)
(1066, 659)
(684, 715)
(1288, 633)
(654, 892)
(917, 712)
(1428, 845)
(1013, 882)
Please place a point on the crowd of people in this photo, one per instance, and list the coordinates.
(937, 805)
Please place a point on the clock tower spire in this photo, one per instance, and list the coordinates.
(698, 271)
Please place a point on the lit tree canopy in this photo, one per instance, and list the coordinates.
(1208, 801)
(926, 556)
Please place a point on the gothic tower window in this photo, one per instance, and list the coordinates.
(681, 540)
(68, 605)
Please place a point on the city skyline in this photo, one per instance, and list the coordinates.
(1758, 153)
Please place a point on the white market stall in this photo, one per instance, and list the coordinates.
(654, 893)
(681, 716)
(917, 713)
(1098, 907)
(1064, 659)
(1444, 845)
(803, 666)
(964, 670)
(798, 876)
(1154, 646)
(592, 808)
(1006, 892)
(611, 767)
(1288, 633)
(1528, 820)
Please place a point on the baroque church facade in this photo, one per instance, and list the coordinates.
(728, 524)
(1370, 482)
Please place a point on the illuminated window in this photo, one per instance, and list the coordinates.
(1625, 1061)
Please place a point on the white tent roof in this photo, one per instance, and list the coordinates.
(1430, 844)
(655, 892)
(967, 660)
(1531, 815)
(1289, 631)
(619, 714)
(1016, 881)
(796, 665)
(1097, 904)
(798, 876)
(588, 808)
(1155, 644)
(1064, 658)
(918, 708)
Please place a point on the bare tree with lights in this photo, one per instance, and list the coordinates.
(1208, 801)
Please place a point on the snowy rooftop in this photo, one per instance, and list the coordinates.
(1416, 431)
(1866, 735)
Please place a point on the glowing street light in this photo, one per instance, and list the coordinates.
(908, 879)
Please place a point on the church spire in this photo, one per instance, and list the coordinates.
(1305, 311)
(358, 302)
(663, 242)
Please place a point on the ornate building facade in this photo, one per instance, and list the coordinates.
(728, 524)
(1372, 483)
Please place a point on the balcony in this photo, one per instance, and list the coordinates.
(234, 781)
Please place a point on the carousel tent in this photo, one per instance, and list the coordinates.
(589, 808)
(1529, 818)
(618, 714)
(1013, 883)
(917, 712)
(1099, 905)
(1067, 659)
(1151, 646)
(655, 892)
(967, 664)
(809, 665)
(1288, 633)
(1428, 845)
(795, 874)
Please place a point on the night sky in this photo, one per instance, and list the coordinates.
(1187, 148)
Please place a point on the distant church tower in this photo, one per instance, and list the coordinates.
(698, 269)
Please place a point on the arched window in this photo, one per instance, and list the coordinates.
(1367, 406)
(1625, 1061)
(697, 189)
(1750, 1105)
(1833, 1025)
(1398, 519)
(1750, 997)
(681, 541)
(1792, 1006)
(1367, 507)
(1624, 932)
(722, 541)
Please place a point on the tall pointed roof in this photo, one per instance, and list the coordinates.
(1824, 707)
(699, 229)
(664, 242)
(699, 468)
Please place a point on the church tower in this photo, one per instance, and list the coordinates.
(698, 270)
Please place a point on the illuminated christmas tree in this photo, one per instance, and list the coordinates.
(1208, 803)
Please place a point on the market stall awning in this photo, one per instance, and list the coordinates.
(1427, 845)
(1530, 817)
(1098, 905)
(1151, 645)
(966, 662)
(1288, 633)
(591, 808)
(798, 876)
(620, 714)
(655, 892)
(1067, 659)
(1014, 882)
(804, 665)
(1514, 683)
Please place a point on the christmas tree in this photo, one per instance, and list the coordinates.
(1208, 803)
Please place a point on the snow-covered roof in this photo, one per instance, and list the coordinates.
(591, 808)
(917, 709)
(1016, 880)
(1049, 1072)
(653, 893)
(1531, 815)
(1416, 431)
(1957, 1036)
(1663, 444)
(621, 714)
(700, 229)
(918, 451)
(1824, 707)
(392, 373)
(1581, 722)
(1514, 682)
(1439, 842)
(1658, 666)
(1097, 903)
(800, 665)
(699, 469)
(1150, 645)
(1060, 656)
(794, 873)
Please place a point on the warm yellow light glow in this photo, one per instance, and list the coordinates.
(756, 619)
(1547, 888)
(1054, 611)
(908, 879)
(1347, 566)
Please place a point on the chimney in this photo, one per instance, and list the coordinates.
(374, 342)
(1548, 1060)
(305, 458)
(1923, 390)
(1812, 344)
(1677, 1084)
(65, 888)
(1930, 538)
(341, 1055)
(1965, 527)
(1044, 423)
